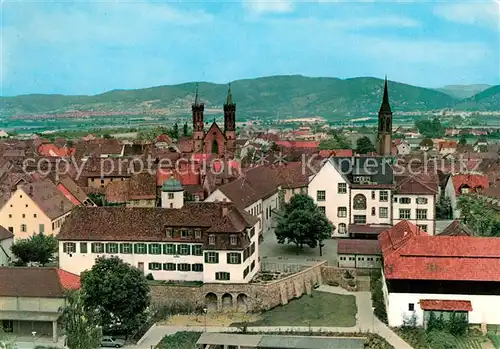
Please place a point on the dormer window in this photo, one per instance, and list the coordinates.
(197, 234)
(233, 240)
(168, 232)
(184, 234)
(361, 179)
(211, 240)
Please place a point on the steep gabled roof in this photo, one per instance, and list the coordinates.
(416, 185)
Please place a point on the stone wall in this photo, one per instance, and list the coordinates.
(241, 297)
(335, 277)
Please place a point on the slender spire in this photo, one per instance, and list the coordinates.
(196, 95)
(229, 99)
(385, 107)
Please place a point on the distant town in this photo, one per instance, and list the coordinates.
(380, 231)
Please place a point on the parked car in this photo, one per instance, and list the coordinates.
(108, 341)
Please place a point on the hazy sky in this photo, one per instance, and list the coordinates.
(89, 47)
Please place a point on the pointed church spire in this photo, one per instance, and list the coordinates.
(229, 99)
(385, 108)
(196, 95)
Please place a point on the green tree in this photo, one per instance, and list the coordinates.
(364, 145)
(107, 136)
(495, 229)
(329, 144)
(443, 208)
(462, 140)
(118, 291)
(476, 214)
(38, 248)
(303, 224)
(82, 325)
(185, 130)
(430, 128)
(175, 131)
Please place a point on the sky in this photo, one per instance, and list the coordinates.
(89, 47)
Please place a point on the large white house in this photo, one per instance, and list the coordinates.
(355, 194)
(440, 274)
(198, 241)
(414, 199)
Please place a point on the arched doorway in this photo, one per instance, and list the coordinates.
(211, 302)
(227, 302)
(241, 301)
(215, 147)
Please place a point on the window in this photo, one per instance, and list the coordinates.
(383, 212)
(411, 306)
(252, 248)
(170, 196)
(10, 216)
(320, 195)
(154, 249)
(69, 247)
(342, 228)
(421, 213)
(342, 188)
(41, 228)
(171, 205)
(211, 240)
(140, 249)
(169, 266)
(169, 249)
(383, 196)
(404, 201)
(184, 267)
(154, 266)
(222, 276)
(373, 194)
(183, 249)
(233, 240)
(83, 247)
(252, 232)
(252, 266)
(359, 219)
(126, 248)
(198, 267)
(395, 200)
(421, 201)
(211, 257)
(404, 213)
(112, 248)
(184, 234)
(97, 247)
(359, 202)
(322, 209)
(422, 226)
(234, 258)
(197, 250)
(373, 211)
(342, 212)
(197, 234)
(23, 228)
(34, 215)
(168, 232)
(24, 216)
(245, 272)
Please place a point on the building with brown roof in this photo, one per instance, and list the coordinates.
(256, 192)
(440, 274)
(360, 253)
(199, 241)
(137, 191)
(32, 299)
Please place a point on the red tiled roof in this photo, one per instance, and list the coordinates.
(164, 138)
(69, 281)
(187, 176)
(472, 181)
(335, 152)
(352, 246)
(298, 144)
(410, 254)
(53, 150)
(447, 145)
(445, 305)
(415, 185)
(367, 228)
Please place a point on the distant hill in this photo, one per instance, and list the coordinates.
(487, 100)
(292, 95)
(463, 91)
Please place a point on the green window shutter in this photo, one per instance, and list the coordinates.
(122, 248)
(135, 248)
(206, 257)
(92, 247)
(164, 248)
(193, 250)
(150, 249)
(178, 249)
(239, 258)
(228, 258)
(216, 257)
(107, 248)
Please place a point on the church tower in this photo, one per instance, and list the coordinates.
(384, 138)
(230, 122)
(197, 109)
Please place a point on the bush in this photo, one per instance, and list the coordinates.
(378, 299)
(347, 275)
(150, 277)
(440, 340)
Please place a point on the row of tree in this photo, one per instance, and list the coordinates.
(478, 215)
(338, 141)
(151, 134)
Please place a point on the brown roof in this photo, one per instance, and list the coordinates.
(292, 175)
(185, 145)
(36, 282)
(5, 234)
(256, 183)
(74, 189)
(147, 224)
(352, 246)
(456, 228)
(138, 187)
(48, 198)
(117, 191)
(106, 167)
(100, 146)
(414, 185)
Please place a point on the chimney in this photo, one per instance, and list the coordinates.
(224, 207)
(62, 205)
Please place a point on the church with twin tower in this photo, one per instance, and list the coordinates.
(215, 140)
(384, 134)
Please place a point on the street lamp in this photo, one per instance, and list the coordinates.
(205, 312)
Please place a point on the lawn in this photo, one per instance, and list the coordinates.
(320, 309)
(179, 340)
(495, 339)
(418, 339)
